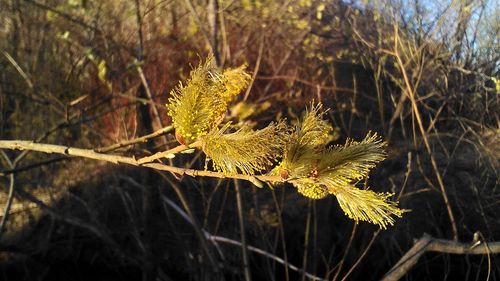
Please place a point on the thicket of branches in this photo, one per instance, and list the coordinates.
(96, 74)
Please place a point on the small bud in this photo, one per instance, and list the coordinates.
(315, 173)
(284, 174)
(180, 138)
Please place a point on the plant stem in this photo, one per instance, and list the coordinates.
(117, 159)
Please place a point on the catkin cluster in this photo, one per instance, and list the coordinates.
(300, 155)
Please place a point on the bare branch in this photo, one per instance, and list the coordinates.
(117, 159)
(430, 244)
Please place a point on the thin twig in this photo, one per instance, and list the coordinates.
(346, 252)
(266, 254)
(362, 256)
(204, 32)
(239, 203)
(256, 68)
(178, 209)
(188, 219)
(282, 234)
(156, 113)
(306, 239)
(305, 82)
(10, 196)
(169, 153)
(139, 29)
(66, 124)
(19, 69)
(145, 138)
(32, 166)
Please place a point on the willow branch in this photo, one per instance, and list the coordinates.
(117, 159)
(430, 244)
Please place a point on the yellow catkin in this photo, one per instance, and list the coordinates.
(367, 205)
(317, 170)
(234, 80)
(353, 160)
(309, 138)
(197, 106)
(340, 166)
(313, 129)
(244, 151)
(312, 190)
(343, 164)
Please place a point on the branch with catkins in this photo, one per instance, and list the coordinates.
(300, 154)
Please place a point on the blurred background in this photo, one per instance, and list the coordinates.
(423, 74)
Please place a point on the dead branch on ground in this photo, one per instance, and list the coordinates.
(430, 244)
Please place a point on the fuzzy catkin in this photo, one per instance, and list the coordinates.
(246, 151)
(196, 107)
